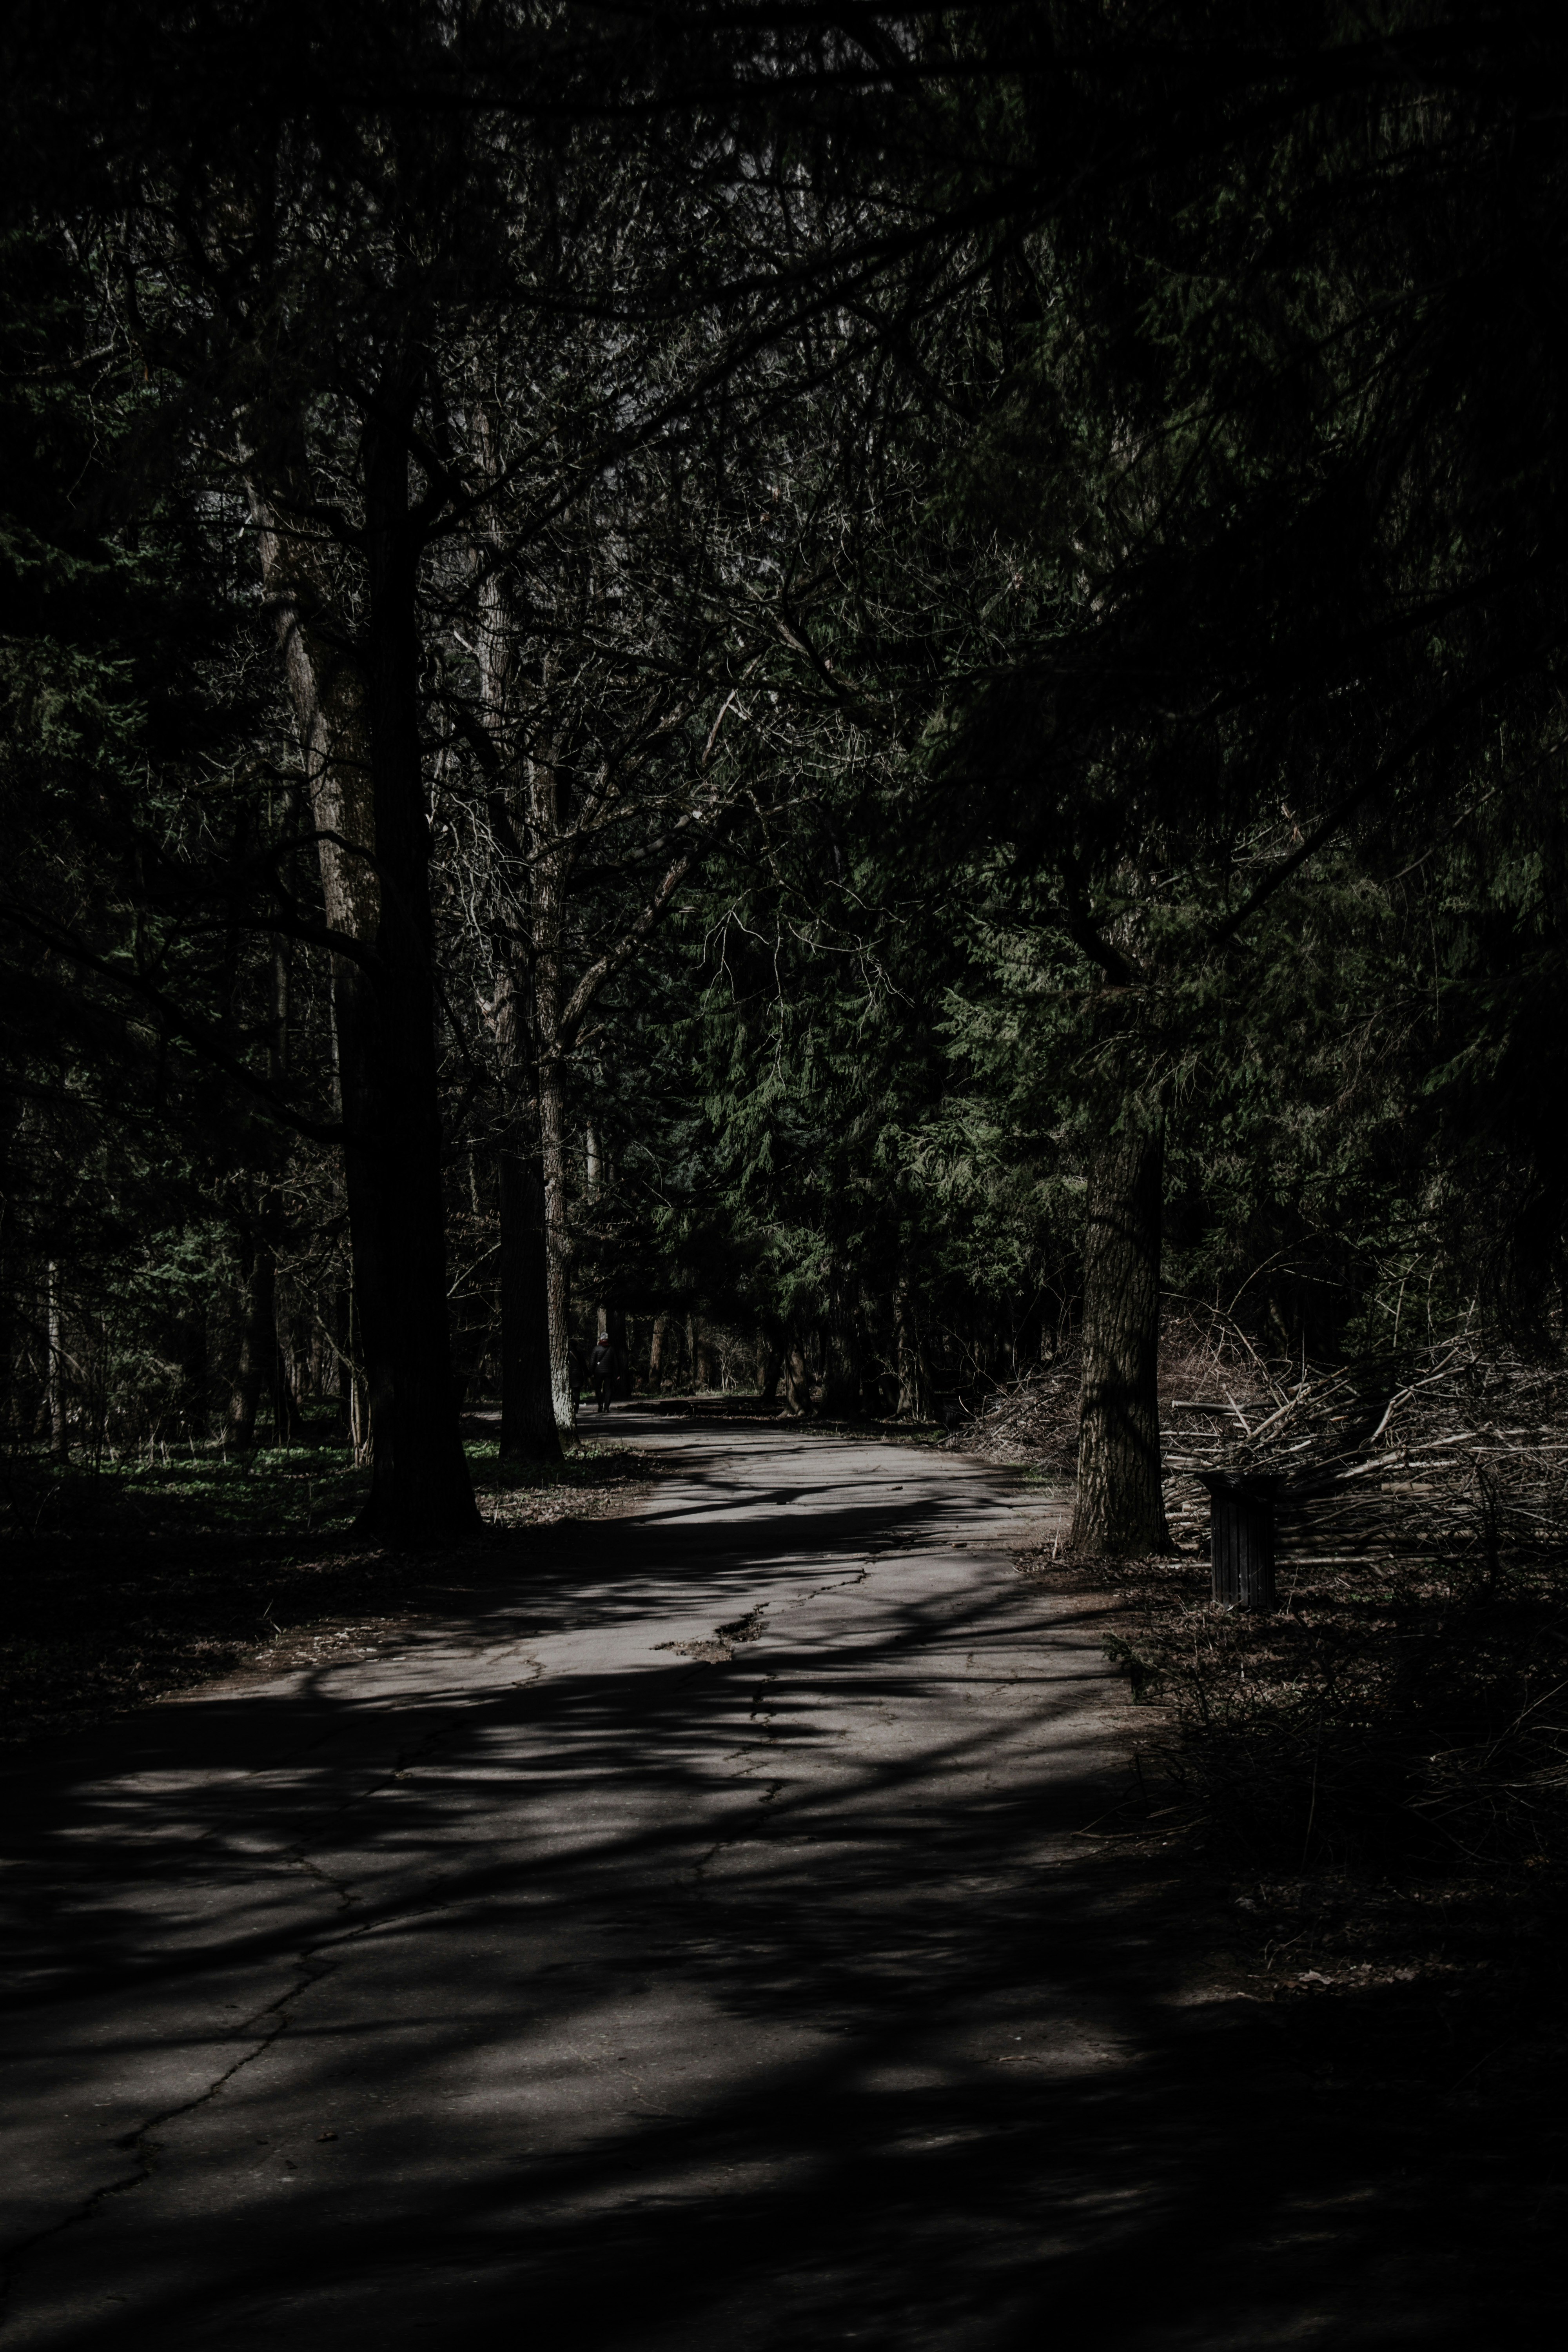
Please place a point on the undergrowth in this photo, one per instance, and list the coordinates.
(1377, 1771)
(1408, 1714)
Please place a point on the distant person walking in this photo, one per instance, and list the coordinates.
(602, 1365)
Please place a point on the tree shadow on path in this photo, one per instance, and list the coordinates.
(753, 2005)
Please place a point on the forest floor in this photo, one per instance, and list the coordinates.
(1370, 1778)
(742, 1923)
(1387, 1745)
(138, 1578)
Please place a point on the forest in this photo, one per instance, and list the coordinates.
(850, 723)
(866, 700)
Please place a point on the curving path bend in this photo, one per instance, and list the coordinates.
(687, 1944)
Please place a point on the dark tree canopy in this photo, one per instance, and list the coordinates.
(856, 697)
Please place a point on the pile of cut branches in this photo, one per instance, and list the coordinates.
(1407, 1704)
(1035, 1420)
(1452, 1448)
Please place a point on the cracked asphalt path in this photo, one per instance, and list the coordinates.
(689, 1942)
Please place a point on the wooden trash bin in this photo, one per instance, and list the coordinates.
(1241, 1537)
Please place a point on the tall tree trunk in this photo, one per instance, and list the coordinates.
(359, 1394)
(1120, 1509)
(359, 728)
(261, 1359)
(610, 1319)
(54, 1368)
(701, 1348)
(419, 1478)
(655, 1353)
(270, 1359)
(288, 1420)
(557, 1233)
(528, 1419)
(259, 1354)
(256, 1338)
(548, 873)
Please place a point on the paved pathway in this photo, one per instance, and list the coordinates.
(684, 1945)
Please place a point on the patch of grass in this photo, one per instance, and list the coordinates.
(294, 1489)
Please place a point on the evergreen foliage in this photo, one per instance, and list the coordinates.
(789, 628)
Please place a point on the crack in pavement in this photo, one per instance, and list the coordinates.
(338, 1887)
(311, 1971)
(601, 1828)
(139, 2142)
(839, 1584)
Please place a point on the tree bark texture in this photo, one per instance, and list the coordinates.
(245, 1393)
(54, 1383)
(547, 864)
(701, 1346)
(1120, 1508)
(420, 1481)
(358, 721)
(528, 1425)
(798, 1378)
(558, 1236)
(263, 1233)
